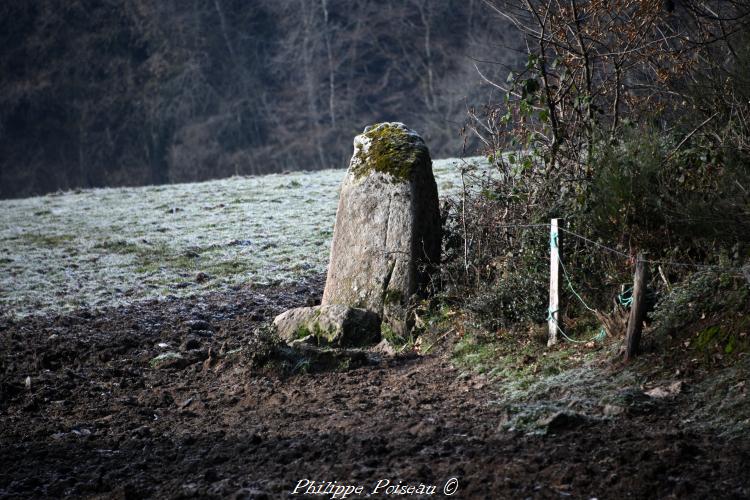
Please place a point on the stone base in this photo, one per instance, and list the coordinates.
(329, 325)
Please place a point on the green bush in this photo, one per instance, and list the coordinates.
(708, 295)
(648, 194)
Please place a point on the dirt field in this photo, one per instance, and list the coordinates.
(98, 418)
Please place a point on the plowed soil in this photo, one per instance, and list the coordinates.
(85, 413)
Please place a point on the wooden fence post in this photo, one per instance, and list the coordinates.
(554, 283)
(637, 310)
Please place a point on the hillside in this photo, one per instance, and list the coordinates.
(106, 247)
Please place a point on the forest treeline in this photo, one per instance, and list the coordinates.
(129, 92)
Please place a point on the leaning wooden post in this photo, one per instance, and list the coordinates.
(554, 283)
(637, 309)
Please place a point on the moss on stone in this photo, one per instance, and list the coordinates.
(167, 359)
(392, 150)
(322, 335)
(302, 331)
(393, 296)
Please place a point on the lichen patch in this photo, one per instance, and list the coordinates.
(389, 148)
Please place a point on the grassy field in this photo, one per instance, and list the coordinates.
(104, 247)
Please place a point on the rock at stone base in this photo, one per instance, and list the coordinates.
(169, 360)
(331, 325)
(384, 348)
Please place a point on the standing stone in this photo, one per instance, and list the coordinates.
(386, 240)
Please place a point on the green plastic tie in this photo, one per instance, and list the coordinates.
(601, 335)
(570, 285)
(624, 299)
(550, 313)
(550, 316)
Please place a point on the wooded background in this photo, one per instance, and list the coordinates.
(129, 92)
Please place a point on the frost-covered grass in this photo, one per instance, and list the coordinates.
(105, 247)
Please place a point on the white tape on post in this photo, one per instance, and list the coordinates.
(554, 282)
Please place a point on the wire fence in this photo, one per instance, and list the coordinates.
(744, 270)
(623, 299)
